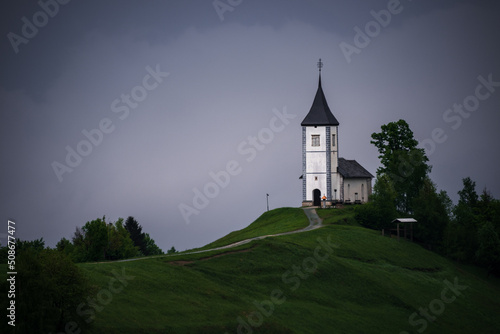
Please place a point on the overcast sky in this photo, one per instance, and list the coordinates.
(172, 93)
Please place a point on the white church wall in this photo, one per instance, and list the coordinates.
(321, 131)
(336, 185)
(316, 162)
(315, 181)
(334, 147)
(360, 186)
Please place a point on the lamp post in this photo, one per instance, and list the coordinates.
(267, 200)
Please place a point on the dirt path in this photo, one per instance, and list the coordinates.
(314, 223)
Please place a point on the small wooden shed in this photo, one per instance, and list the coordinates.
(405, 222)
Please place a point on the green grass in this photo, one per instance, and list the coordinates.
(344, 216)
(368, 284)
(270, 222)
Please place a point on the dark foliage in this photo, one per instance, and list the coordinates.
(402, 162)
(49, 288)
(136, 234)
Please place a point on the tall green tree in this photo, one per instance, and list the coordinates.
(447, 203)
(151, 247)
(120, 244)
(468, 194)
(91, 241)
(96, 235)
(467, 221)
(431, 212)
(380, 211)
(65, 246)
(136, 234)
(488, 252)
(469, 216)
(79, 252)
(489, 209)
(404, 163)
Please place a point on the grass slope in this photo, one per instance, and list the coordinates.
(271, 222)
(296, 283)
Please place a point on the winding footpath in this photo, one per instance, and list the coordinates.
(314, 223)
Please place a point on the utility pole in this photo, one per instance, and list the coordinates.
(267, 199)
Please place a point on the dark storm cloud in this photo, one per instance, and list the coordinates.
(225, 79)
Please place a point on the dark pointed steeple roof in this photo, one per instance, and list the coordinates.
(320, 113)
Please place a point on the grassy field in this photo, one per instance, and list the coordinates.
(271, 222)
(338, 279)
(344, 216)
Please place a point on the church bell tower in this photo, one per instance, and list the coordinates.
(320, 148)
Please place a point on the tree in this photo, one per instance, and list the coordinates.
(136, 234)
(466, 222)
(404, 163)
(380, 211)
(488, 253)
(65, 246)
(489, 209)
(98, 240)
(470, 216)
(79, 253)
(151, 247)
(49, 288)
(37, 245)
(172, 250)
(91, 241)
(432, 215)
(468, 195)
(120, 245)
(447, 203)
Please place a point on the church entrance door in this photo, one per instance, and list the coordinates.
(316, 197)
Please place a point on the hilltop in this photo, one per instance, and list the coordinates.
(341, 278)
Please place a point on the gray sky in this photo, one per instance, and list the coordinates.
(88, 66)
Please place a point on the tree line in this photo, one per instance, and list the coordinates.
(98, 240)
(467, 232)
(50, 286)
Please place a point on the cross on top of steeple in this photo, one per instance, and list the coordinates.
(320, 64)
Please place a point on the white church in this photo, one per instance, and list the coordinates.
(325, 176)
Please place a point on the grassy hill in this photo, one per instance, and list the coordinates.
(341, 278)
(272, 222)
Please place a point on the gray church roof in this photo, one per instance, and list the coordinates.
(320, 113)
(352, 169)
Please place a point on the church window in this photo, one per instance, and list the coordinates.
(333, 140)
(315, 140)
